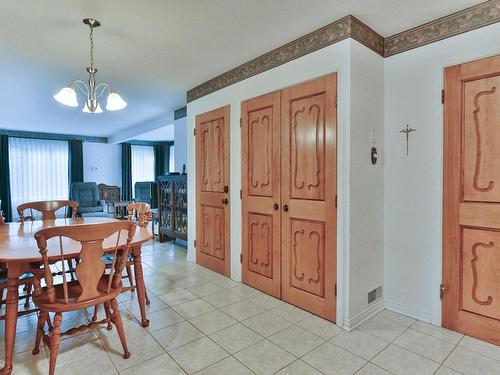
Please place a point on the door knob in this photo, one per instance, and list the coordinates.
(285, 208)
(275, 206)
(225, 201)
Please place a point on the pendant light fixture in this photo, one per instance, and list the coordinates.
(92, 90)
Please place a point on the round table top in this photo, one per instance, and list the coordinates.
(17, 242)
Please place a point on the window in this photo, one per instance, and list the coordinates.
(143, 165)
(38, 171)
(171, 161)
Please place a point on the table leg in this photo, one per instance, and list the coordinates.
(11, 316)
(139, 282)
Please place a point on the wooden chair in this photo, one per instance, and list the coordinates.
(47, 208)
(92, 286)
(139, 213)
(25, 281)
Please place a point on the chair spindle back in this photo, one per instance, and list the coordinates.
(91, 267)
(140, 213)
(47, 208)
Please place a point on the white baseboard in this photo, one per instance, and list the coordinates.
(412, 312)
(356, 320)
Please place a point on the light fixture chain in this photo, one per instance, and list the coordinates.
(91, 48)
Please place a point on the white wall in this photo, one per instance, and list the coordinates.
(102, 163)
(366, 262)
(413, 184)
(180, 143)
(335, 58)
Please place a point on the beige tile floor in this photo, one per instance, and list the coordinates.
(203, 323)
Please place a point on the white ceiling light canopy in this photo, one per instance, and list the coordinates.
(92, 90)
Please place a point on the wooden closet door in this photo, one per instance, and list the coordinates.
(261, 176)
(212, 190)
(471, 220)
(308, 196)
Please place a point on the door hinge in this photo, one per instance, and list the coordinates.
(240, 121)
(241, 194)
(442, 96)
(442, 291)
(194, 243)
(335, 200)
(241, 257)
(194, 132)
(335, 290)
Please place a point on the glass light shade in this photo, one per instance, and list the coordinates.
(115, 102)
(87, 110)
(67, 96)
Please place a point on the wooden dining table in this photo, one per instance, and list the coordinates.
(19, 250)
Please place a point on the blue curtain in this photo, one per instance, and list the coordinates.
(161, 157)
(75, 161)
(75, 158)
(126, 172)
(5, 177)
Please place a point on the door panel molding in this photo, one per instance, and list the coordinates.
(212, 176)
(261, 194)
(471, 197)
(309, 187)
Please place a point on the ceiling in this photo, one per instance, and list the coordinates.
(163, 134)
(153, 51)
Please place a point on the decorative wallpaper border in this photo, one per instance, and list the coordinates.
(367, 36)
(472, 18)
(180, 113)
(480, 15)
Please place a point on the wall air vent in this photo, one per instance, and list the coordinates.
(375, 294)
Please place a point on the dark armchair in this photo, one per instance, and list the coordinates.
(145, 192)
(87, 196)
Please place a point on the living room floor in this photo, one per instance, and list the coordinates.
(204, 323)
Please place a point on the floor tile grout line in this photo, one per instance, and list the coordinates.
(368, 360)
(449, 342)
(223, 359)
(173, 359)
(476, 351)
(410, 350)
(373, 364)
(394, 343)
(297, 360)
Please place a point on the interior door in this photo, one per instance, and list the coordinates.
(212, 190)
(471, 220)
(308, 195)
(261, 176)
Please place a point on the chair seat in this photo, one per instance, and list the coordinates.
(108, 259)
(74, 291)
(23, 277)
